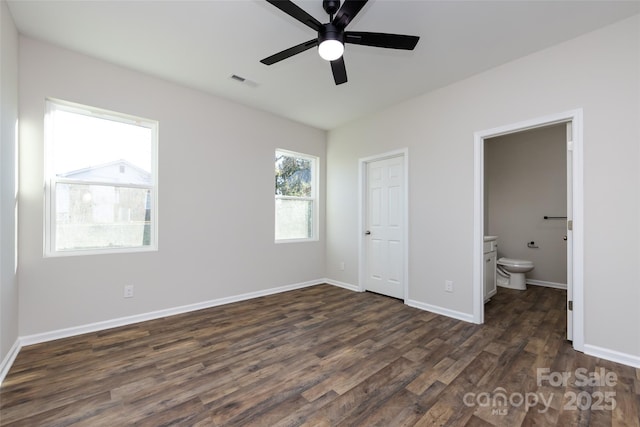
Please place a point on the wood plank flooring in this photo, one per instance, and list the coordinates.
(324, 356)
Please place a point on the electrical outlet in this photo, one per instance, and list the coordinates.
(128, 291)
(448, 285)
(342, 266)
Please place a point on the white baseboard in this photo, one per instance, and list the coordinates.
(6, 363)
(413, 303)
(547, 284)
(612, 355)
(466, 317)
(344, 285)
(124, 321)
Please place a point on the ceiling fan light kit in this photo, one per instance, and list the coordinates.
(331, 42)
(332, 35)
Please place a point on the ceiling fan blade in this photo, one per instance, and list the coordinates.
(297, 13)
(347, 12)
(390, 41)
(287, 53)
(339, 71)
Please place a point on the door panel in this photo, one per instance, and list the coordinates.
(395, 262)
(376, 258)
(395, 209)
(376, 207)
(384, 246)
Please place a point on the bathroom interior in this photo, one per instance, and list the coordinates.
(525, 209)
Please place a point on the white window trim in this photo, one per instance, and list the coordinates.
(50, 178)
(315, 180)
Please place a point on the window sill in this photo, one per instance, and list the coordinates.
(277, 242)
(106, 251)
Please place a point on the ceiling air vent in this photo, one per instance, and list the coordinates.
(243, 80)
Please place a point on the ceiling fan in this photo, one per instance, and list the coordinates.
(332, 35)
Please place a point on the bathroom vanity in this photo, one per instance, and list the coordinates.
(490, 259)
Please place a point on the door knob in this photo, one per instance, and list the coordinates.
(367, 232)
(565, 237)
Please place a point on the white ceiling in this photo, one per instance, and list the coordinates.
(201, 43)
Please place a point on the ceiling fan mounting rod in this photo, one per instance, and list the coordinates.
(331, 7)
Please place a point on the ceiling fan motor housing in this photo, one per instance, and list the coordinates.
(330, 32)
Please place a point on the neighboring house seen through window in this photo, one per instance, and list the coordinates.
(296, 196)
(101, 170)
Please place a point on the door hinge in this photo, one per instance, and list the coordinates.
(569, 145)
(570, 225)
(570, 305)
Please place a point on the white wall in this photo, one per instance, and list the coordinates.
(8, 137)
(216, 198)
(599, 72)
(526, 180)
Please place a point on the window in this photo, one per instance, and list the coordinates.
(101, 175)
(296, 196)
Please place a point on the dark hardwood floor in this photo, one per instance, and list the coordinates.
(325, 356)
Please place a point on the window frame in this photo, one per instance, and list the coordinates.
(314, 199)
(51, 179)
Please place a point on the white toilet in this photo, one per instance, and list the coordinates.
(511, 273)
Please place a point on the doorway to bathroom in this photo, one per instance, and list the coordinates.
(535, 202)
(525, 203)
